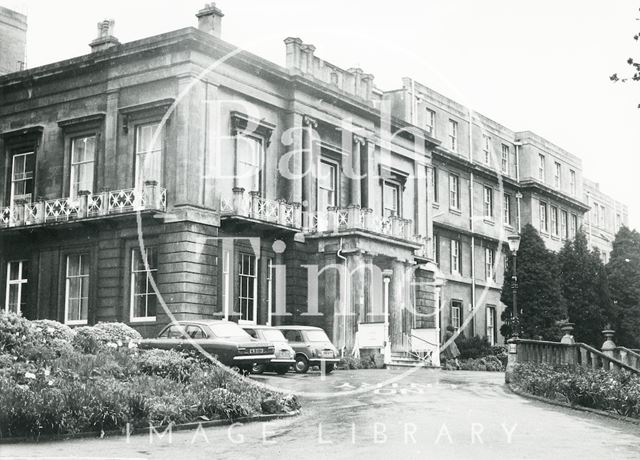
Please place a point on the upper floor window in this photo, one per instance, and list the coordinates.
(455, 256)
(541, 167)
(144, 300)
(391, 199)
(83, 154)
(434, 184)
(573, 228)
(544, 217)
(22, 169)
(506, 209)
(454, 191)
(618, 220)
(327, 180)
(486, 148)
(504, 165)
(554, 220)
(564, 225)
(17, 279)
(489, 260)
(148, 154)
(557, 176)
(436, 248)
(77, 289)
(572, 182)
(453, 135)
(595, 213)
(488, 202)
(603, 218)
(430, 123)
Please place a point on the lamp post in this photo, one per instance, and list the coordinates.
(514, 245)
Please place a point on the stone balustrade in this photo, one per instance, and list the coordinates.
(85, 205)
(253, 206)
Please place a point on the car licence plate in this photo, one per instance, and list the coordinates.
(326, 354)
(255, 351)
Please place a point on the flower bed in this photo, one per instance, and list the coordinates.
(612, 391)
(57, 380)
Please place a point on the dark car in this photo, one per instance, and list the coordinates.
(312, 347)
(225, 340)
(284, 353)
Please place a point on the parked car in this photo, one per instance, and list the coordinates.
(312, 347)
(285, 356)
(225, 340)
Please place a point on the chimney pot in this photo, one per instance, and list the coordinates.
(105, 38)
(210, 19)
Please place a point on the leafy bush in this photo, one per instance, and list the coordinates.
(49, 387)
(91, 339)
(473, 347)
(613, 391)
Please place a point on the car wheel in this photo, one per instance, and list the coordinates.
(258, 368)
(328, 368)
(302, 365)
(281, 370)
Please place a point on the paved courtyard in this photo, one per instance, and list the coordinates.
(426, 414)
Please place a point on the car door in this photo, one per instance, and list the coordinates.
(294, 337)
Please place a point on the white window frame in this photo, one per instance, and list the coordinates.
(68, 278)
(564, 224)
(506, 151)
(488, 202)
(541, 167)
(430, 125)
(149, 289)
(335, 167)
(456, 314)
(490, 324)
(572, 182)
(453, 135)
(454, 192)
(554, 221)
(489, 260)
(141, 155)
(386, 187)
(26, 176)
(74, 185)
(573, 226)
(557, 178)
(506, 209)
(20, 282)
(544, 217)
(254, 299)
(486, 149)
(456, 266)
(603, 217)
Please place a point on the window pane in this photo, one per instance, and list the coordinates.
(248, 151)
(12, 303)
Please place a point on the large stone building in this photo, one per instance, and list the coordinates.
(13, 41)
(178, 176)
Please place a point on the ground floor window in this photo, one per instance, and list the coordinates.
(144, 300)
(247, 273)
(491, 325)
(77, 289)
(456, 314)
(17, 279)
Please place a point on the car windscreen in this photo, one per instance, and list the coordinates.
(273, 335)
(228, 330)
(316, 336)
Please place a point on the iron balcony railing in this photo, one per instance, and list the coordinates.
(85, 205)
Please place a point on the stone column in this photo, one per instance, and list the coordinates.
(309, 170)
(355, 180)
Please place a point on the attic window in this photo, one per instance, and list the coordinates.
(334, 78)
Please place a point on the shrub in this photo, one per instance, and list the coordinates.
(167, 363)
(14, 332)
(613, 391)
(91, 339)
(473, 347)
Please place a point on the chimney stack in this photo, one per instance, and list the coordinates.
(210, 19)
(105, 38)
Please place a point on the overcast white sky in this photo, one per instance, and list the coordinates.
(537, 65)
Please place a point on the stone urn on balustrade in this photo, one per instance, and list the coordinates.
(567, 328)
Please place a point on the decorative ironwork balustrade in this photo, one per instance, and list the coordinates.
(85, 205)
(253, 206)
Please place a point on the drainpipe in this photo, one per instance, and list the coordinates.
(471, 227)
(346, 299)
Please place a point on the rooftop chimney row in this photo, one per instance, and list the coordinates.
(105, 38)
